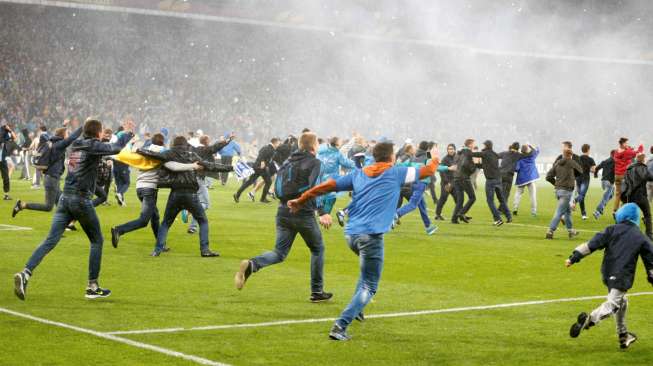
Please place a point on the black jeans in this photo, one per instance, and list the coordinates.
(431, 186)
(183, 200)
(52, 194)
(506, 183)
(263, 173)
(460, 188)
(149, 213)
(288, 226)
(4, 171)
(102, 192)
(645, 206)
(444, 195)
(225, 160)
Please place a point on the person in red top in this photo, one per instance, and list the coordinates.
(622, 159)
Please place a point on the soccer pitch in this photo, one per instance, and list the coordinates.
(472, 294)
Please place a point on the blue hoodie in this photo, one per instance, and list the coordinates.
(527, 170)
(332, 160)
(628, 212)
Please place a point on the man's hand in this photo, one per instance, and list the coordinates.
(294, 205)
(326, 221)
(453, 168)
(198, 166)
(435, 152)
(568, 263)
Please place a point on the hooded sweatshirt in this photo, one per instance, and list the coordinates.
(563, 174)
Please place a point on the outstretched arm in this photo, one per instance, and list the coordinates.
(344, 183)
(599, 241)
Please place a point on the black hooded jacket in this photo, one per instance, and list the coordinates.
(489, 162)
(308, 169)
(58, 153)
(635, 181)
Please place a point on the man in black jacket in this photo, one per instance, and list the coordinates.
(634, 191)
(76, 204)
(52, 175)
(607, 182)
(261, 169)
(7, 136)
(509, 161)
(446, 181)
(183, 194)
(305, 174)
(462, 183)
(623, 244)
(490, 166)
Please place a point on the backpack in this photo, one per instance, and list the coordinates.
(287, 185)
(41, 158)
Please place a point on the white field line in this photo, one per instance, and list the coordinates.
(371, 316)
(560, 228)
(4, 227)
(334, 32)
(165, 351)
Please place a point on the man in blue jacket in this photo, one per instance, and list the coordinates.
(623, 243)
(52, 175)
(527, 176)
(332, 162)
(76, 204)
(227, 155)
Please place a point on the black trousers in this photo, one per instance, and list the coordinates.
(444, 195)
(506, 183)
(645, 206)
(460, 188)
(263, 173)
(4, 170)
(434, 196)
(225, 160)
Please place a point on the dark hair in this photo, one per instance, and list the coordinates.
(320, 140)
(307, 140)
(568, 144)
(334, 141)
(60, 132)
(651, 150)
(612, 152)
(469, 142)
(383, 152)
(92, 128)
(306, 130)
(585, 148)
(43, 128)
(424, 145)
(179, 141)
(623, 140)
(204, 140)
(158, 139)
(452, 145)
(514, 146)
(274, 140)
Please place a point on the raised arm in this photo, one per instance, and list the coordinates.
(60, 145)
(344, 183)
(101, 148)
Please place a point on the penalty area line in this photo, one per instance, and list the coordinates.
(150, 347)
(371, 316)
(5, 227)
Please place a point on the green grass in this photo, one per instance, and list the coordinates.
(464, 265)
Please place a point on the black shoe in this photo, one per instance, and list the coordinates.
(20, 285)
(115, 237)
(208, 253)
(17, 209)
(236, 198)
(120, 199)
(191, 230)
(549, 235)
(514, 213)
(97, 293)
(166, 249)
(469, 218)
(251, 196)
(626, 339)
(6, 197)
(341, 218)
(265, 201)
(321, 296)
(455, 222)
(360, 317)
(439, 218)
(337, 333)
(573, 233)
(155, 253)
(244, 271)
(464, 219)
(581, 323)
(509, 220)
(71, 227)
(498, 223)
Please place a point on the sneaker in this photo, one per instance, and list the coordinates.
(209, 254)
(360, 317)
(340, 215)
(17, 208)
(596, 215)
(6, 197)
(573, 233)
(439, 218)
(514, 213)
(626, 339)
(582, 322)
(395, 222)
(119, 199)
(509, 220)
(469, 218)
(338, 333)
(156, 253)
(71, 227)
(236, 198)
(584, 217)
(273, 195)
(533, 214)
(431, 230)
(244, 271)
(20, 284)
(36, 186)
(464, 219)
(321, 296)
(266, 201)
(251, 196)
(498, 223)
(97, 293)
(549, 234)
(115, 237)
(191, 230)
(184, 216)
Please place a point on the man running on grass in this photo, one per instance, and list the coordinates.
(299, 173)
(76, 204)
(376, 191)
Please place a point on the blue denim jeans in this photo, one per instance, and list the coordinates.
(369, 247)
(608, 192)
(149, 213)
(52, 194)
(288, 226)
(495, 187)
(203, 195)
(583, 186)
(121, 176)
(73, 207)
(417, 201)
(177, 201)
(563, 196)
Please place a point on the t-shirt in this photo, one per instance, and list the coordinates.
(586, 163)
(374, 199)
